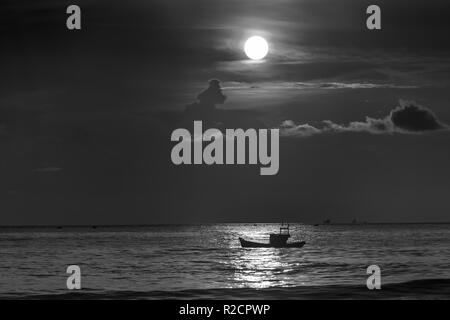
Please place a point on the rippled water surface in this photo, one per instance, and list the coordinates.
(207, 261)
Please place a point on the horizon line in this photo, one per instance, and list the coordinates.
(207, 223)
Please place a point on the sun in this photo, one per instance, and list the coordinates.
(256, 47)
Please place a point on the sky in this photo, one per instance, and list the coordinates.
(86, 115)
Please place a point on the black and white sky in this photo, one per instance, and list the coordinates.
(86, 116)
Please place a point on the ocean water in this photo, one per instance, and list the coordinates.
(207, 262)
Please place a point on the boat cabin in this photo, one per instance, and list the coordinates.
(280, 238)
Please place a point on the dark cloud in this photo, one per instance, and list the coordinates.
(206, 109)
(208, 98)
(412, 117)
(408, 117)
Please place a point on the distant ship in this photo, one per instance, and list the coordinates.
(276, 240)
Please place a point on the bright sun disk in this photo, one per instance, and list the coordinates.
(256, 48)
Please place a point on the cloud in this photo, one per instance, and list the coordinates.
(289, 128)
(408, 117)
(206, 109)
(314, 85)
(208, 98)
(412, 117)
(358, 85)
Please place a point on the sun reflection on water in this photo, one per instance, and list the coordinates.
(261, 268)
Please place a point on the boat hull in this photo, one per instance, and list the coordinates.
(251, 244)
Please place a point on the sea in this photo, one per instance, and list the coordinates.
(207, 262)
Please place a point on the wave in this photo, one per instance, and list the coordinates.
(416, 289)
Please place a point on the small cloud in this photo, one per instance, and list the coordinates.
(408, 117)
(289, 128)
(207, 100)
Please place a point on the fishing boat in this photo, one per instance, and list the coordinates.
(276, 240)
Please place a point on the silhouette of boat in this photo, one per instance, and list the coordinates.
(276, 240)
